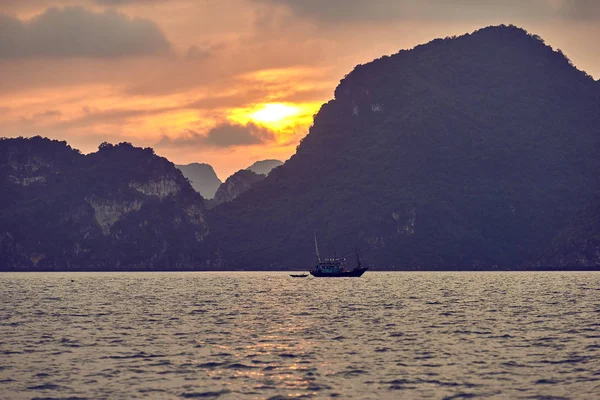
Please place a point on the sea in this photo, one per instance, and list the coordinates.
(266, 335)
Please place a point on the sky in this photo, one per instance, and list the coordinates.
(227, 82)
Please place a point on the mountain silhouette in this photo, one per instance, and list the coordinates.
(471, 152)
(202, 177)
(236, 184)
(468, 152)
(264, 167)
(120, 208)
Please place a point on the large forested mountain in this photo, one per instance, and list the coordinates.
(468, 152)
(121, 208)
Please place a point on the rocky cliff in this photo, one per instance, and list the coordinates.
(470, 152)
(121, 208)
(235, 185)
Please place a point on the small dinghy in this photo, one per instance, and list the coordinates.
(299, 275)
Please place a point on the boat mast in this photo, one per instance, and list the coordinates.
(317, 249)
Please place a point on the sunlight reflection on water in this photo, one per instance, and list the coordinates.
(266, 335)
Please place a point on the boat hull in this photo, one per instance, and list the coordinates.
(355, 273)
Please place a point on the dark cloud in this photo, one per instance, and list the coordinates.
(50, 115)
(77, 32)
(334, 11)
(341, 9)
(249, 95)
(304, 95)
(115, 117)
(222, 136)
(197, 53)
(126, 2)
(581, 9)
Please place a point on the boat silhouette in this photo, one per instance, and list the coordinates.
(298, 275)
(336, 267)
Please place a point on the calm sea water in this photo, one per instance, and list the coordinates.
(267, 335)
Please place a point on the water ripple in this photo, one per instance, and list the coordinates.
(266, 336)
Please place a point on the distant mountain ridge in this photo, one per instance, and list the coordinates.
(470, 152)
(205, 181)
(264, 167)
(242, 181)
(237, 184)
(202, 177)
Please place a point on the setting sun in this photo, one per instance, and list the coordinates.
(282, 118)
(273, 112)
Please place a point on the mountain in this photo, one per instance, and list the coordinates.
(202, 177)
(264, 167)
(235, 185)
(468, 152)
(578, 245)
(121, 208)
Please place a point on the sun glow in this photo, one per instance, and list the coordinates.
(273, 112)
(282, 118)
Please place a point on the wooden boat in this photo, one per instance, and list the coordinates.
(298, 275)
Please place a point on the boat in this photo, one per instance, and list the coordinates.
(298, 275)
(336, 267)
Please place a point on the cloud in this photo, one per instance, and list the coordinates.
(581, 9)
(341, 9)
(244, 97)
(338, 11)
(127, 2)
(198, 53)
(221, 136)
(77, 32)
(50, 115)
(116, 117)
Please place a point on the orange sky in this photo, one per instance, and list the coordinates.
(226, 82)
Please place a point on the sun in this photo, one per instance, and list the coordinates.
(271, 113)
(284, 119)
